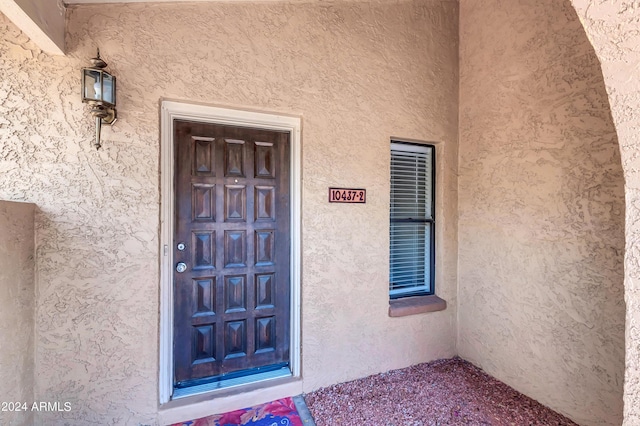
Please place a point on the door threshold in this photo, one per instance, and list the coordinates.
(231, 383)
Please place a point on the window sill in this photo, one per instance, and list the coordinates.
(416, 305)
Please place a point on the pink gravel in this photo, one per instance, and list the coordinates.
(444, 392)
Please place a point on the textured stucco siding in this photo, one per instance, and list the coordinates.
(357, 74)
(96, 240)
(541, 209)
(612, 28)
(17, 295)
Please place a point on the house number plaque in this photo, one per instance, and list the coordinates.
(347, 195)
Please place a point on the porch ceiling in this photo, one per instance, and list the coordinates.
(68, 2)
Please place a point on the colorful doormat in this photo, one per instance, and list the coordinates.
(281, 412)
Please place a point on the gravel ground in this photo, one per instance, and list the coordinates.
(443, 392)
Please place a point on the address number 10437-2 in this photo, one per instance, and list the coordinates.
(347, 195)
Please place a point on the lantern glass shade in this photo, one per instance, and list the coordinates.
(98, 86)
(108, 89)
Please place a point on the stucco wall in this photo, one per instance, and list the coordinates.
(97, 244)
(357, 74)
(541, 205)
(17, 296)
(612, 28)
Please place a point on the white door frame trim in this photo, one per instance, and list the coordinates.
(171, 110)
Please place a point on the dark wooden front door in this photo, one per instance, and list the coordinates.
(232, 233)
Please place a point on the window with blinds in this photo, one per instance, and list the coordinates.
(412, 254)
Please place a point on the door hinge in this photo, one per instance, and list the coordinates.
(166, 250)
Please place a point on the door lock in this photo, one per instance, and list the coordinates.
(181, 267)
(181, 246)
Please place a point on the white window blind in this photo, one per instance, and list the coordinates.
(411, 217)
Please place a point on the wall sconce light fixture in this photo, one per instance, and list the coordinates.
(99, 91)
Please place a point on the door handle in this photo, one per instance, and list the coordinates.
(181, 267)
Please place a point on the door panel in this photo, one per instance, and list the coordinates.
(231, 304)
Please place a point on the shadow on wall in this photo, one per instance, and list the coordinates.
(17, 295)
(541, 209)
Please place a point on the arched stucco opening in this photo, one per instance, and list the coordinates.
(612, 28)
(541, 209)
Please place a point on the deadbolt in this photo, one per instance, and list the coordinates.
(181, 246)
(181, 267)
